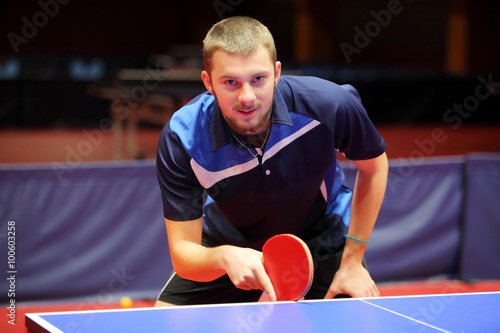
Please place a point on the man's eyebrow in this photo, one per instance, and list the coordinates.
(227, 76)
(233, 77)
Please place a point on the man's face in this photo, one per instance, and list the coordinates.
(244, 88)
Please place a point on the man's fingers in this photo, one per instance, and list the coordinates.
(371, 292)
(376, 292)
(249, 282)
(331, 294)
(268, 287)
(247, 272)
(266, 284)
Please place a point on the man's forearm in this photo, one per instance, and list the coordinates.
(190, 259)
(196, 262)
(367, 198)
(193, 261)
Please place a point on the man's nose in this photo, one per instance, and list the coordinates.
(247, 95)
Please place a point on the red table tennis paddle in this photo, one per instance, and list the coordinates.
(289, 264)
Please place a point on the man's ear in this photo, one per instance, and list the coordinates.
(207, 81)
(277, 72)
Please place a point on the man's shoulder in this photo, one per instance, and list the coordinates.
(315, 91)
(296, 84)
(200, 103)
(302, 81)
(195, 110)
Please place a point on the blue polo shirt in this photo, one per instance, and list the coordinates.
(294, 187)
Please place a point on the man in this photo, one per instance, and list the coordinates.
(255, 156)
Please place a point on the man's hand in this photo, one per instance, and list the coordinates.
(354, 281)
(195, 262)
(245, 269)
(352, 278)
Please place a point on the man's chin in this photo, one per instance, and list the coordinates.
(246, 130)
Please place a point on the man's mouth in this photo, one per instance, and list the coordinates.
(246, 110)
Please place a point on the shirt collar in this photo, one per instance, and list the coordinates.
(220, 132)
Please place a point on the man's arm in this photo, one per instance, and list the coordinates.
(369, 190)
(193, 261)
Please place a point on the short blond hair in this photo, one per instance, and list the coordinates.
(238, 34)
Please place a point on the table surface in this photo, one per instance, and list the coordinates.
(472, 312)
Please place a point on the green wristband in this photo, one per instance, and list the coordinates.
(357, 240)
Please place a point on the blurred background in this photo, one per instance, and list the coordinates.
(86, 82)
(64, 63)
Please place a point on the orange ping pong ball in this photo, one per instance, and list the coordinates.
(126, 302)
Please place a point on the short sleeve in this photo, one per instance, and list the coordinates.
(355, 135)
(182, 194)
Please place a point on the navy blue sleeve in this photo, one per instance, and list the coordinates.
(182, 194)
(355, 135)
(338, 107)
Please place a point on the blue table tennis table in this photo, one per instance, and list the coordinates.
(473, 312)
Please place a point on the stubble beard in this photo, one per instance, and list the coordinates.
(245, 130)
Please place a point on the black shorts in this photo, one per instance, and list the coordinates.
(180, 291)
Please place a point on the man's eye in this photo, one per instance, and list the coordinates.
(231, 82)
(258, 79)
